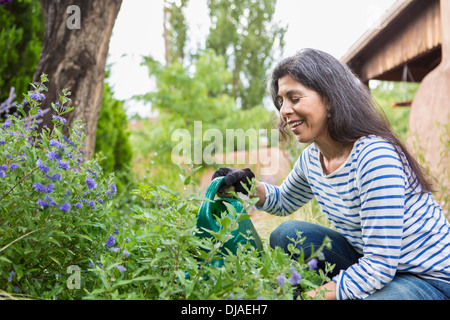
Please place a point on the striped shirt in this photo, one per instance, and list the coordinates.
(378, 205)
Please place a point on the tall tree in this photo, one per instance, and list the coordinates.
(175, 30)
(74, 52)
(244, 32)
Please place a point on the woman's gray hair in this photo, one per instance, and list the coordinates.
(352, 111)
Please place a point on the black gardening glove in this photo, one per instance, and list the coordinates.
(234, 177)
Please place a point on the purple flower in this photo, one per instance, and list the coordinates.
(56, 176)
(13, 166)
(65, 207)
(37, 96)
(115, 249)
(42, 203)
(50, 188)
(41, 166)
(68, 141)
(2, 142)
(64, 165)
(126, 253)
(91, 183)
(121, 269)
(56, 143)
(313, 263)
(116, 231)
(4, 167)
(50, 200)
(78, 205)
(53, 155)
(39, 187)
(59, 118)
(111, 241)
(2, 2)
(281, 279)
(296, 277)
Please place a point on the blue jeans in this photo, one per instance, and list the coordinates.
(404, 286)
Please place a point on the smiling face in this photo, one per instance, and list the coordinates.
(303, 110)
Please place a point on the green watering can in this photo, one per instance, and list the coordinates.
(207, 219)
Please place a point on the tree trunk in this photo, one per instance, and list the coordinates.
(74, 52)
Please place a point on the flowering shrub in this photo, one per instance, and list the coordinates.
(160, 257)
(55, 217)
(53, 203)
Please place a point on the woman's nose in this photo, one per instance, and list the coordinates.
(286, 109)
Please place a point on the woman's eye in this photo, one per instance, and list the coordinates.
(280, 101)
(295, 99)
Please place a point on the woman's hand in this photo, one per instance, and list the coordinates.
(234, 177)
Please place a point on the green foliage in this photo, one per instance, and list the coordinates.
(244, 32)
(185, 95)
(161, 258)
(54, 206)
(22, 29)
(386, 94)
(175, 30)
(112, 139)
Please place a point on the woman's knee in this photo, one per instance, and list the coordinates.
(290, 231)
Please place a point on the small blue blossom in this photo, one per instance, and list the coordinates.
(91, 183)
(39, 187)
(92, 172)
(2, 142)
(115, 249)
(13, 166)
(55, 143)
(50, 200)
(59, 118)
(295, 278)
(64, 165)
(42, 203)
(313, 263)
(37, 96)
(116, 231)
(50, 188)
(65, 207)
(111, 241)
(41, 166)
(126, 253)
(56, 176)
(68, 141)
(53, 155)
(281, 279)
(4, 167)
(121, 268)
(78, 205)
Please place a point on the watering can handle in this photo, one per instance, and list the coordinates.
(214, 187)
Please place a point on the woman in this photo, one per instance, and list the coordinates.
(392, 239)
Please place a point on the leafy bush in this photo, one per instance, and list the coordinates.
(60, 239)
(53, 204)
(162, 258)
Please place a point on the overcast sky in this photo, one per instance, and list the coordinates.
(329, 25)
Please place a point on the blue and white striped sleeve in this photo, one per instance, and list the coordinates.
(381, 185)
(293, 193)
